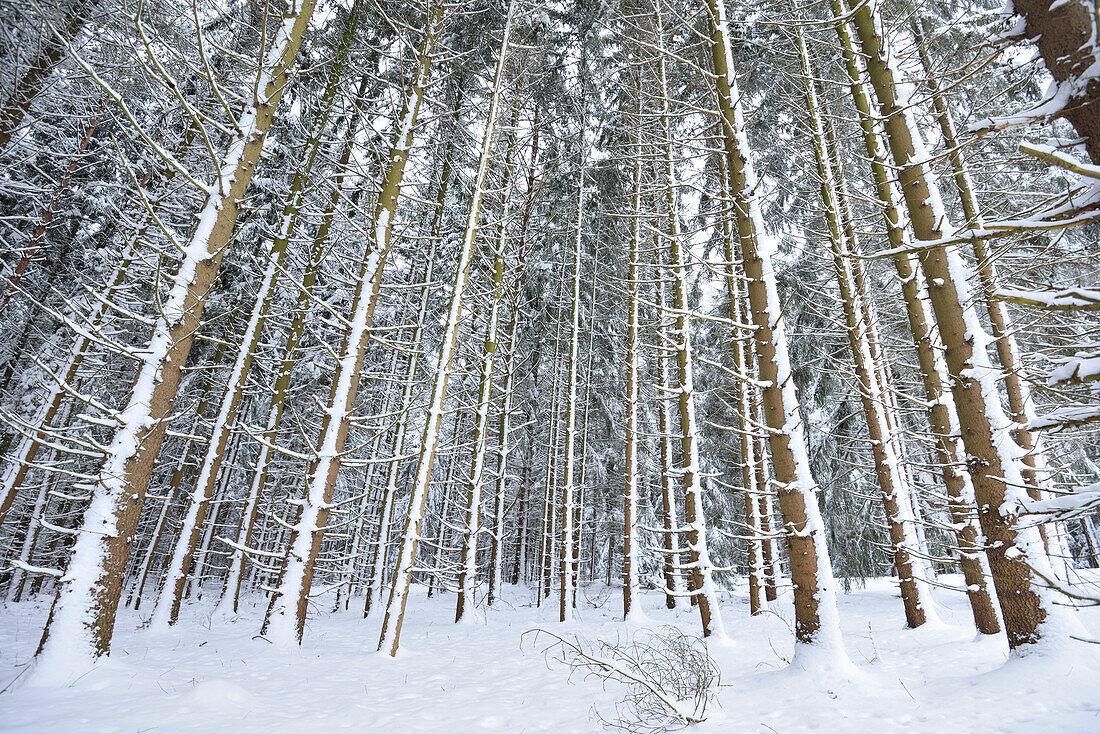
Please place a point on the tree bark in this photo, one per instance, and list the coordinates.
(817, 625)
(1013, 551)
(83, 613)
(1065, 32)
(183, 555)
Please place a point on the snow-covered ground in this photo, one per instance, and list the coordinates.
(215, 676)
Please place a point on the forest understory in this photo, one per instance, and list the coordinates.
(211, 674)
(550, 365)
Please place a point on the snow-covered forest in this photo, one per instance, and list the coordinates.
(549, 365)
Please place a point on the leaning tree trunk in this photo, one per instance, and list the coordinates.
(287, 615)
(395, 609)
(22, 460)
(896, 502)
(173, 489)
(1021, 409)
(20, 463)
(261, 469)
(382, 534)
(182, 558)
(82, 618)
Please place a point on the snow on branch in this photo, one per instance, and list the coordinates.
(670, 678)
(1080, 368)
(1081, 501)
(1072, 416)
(1066, 299)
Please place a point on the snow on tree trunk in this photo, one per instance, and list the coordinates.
(674, 581)
(915, 594)
(566, 589)
(39, 234)
(182, 558)
(82, 619)
(22, 460)
(700, 566)
(1021, 408)
(1016, 555)
(817, 625)
(631, 557)
(467, 576)
(504, 445)
(286, 618)
(390, 637)
(741, 354)
(942, 414)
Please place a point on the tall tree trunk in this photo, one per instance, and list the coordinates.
(673, 566)
(817, 626)
(173, 489)
(82, 618)
(1015, 553)
(700, 565)
(631, 557)
(504, 446)
(287, 616)
(550, 472)
(382, 534)
(566, 590)
(942, 415)
(915, 595)
(261, 470)
(395, 608)
(467, 575)
(504, 420)
(519, 566)
(741, 354)
(1021, 409)
(182, 558)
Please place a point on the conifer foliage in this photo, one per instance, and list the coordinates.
(319, 305)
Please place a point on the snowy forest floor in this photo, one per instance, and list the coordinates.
(215, 676)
